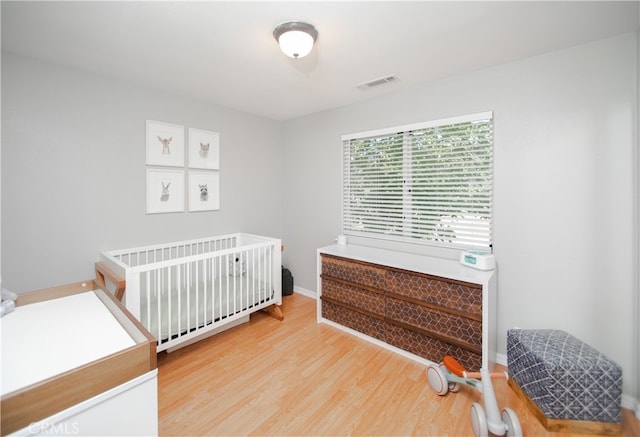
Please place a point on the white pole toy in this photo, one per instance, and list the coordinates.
(494, 421)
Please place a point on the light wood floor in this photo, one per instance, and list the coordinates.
(300, 378)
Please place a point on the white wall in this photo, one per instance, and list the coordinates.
(564, 127)
(73, 171)
(636, 220)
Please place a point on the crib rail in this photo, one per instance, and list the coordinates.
(143, 256)
(181, 291)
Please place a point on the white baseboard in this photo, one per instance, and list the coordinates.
(501, 359)
(305, 292)
(631, 403)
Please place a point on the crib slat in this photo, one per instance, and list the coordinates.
(197, 306)
(227, 287)
(213, 266)
(170, 312)
(159, 287)
(269, 271)
(148, 295)
(244, 292)
(233, 281)
(180, 289)
(201, 279)
(261, 281)
(219, 315)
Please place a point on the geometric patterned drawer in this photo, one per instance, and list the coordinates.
(459, 328)
(430, 348)
(354, 296)
(445, 293)
(564, 377)
(370, 326)
(353, 271)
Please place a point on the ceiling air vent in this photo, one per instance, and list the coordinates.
(376, 82)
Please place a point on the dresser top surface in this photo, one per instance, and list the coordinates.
(445, 268)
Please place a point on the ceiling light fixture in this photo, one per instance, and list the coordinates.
(295, 38)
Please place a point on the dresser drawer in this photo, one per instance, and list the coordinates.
(354, 296)
(458, 296)
(354, 271)
(430, 348)
(458, 329)
(371, 326)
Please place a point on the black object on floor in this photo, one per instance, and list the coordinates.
(287, 282)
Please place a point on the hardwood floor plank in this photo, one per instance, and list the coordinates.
(298, 378)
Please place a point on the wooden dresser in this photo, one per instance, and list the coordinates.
(422, 307)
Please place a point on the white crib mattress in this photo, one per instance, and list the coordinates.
(44, 339)
(184, 317)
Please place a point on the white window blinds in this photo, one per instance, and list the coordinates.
(429, 182)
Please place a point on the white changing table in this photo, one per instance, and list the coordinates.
(74, 361)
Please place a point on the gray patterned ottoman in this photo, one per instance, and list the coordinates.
(568, 385)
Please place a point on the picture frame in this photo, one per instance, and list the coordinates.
(165, 144)
(165, 190)
(204, 190)
(204, 149)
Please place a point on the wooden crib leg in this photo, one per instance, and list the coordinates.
(274, 311)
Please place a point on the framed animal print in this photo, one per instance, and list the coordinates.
(204, 190)
(165, 190)
(165, 144)
(204, 149)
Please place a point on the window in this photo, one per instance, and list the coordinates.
(430, 183)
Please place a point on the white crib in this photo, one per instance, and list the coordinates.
(187, 290)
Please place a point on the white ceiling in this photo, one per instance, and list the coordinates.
(224, 52)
